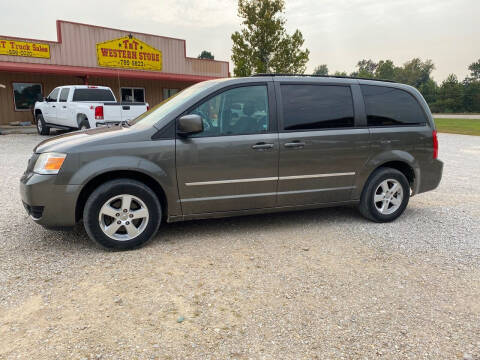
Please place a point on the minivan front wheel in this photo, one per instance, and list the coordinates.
(122, 214)
(385, 195)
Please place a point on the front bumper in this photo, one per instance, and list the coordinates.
(47, 203)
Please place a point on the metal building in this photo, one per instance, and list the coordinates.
(137, 66)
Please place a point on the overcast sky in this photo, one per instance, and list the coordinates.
(337, 32)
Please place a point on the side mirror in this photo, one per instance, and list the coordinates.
(190, 124)
(45, 99)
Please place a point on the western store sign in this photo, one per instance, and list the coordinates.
(129, 53)
(24, 48)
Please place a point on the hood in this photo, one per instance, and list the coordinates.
(68, 143)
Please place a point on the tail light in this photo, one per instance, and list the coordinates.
(148, 107)
(435, 144)
(99, 113)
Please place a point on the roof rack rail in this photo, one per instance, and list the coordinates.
(323, 76)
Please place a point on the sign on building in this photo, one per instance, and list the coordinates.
(129, 53)
(24, 48)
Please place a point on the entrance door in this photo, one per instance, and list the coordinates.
(50, 111)
(233, 163)
(320, 150)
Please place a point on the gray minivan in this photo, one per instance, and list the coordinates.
(239, 146)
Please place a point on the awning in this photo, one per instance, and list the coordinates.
(88, 71)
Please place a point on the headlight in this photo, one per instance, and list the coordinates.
(49, 163)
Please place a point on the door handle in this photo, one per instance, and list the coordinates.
(53, 106)
(262, 146)
(64, 107)
(294, 144)
(385, 142)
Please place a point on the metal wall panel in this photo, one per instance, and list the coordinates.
(77, 47)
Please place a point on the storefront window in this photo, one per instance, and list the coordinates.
(169, 92)
(26, 94)
(133, 94)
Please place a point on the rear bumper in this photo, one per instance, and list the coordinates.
(48, 204)
(431, 175)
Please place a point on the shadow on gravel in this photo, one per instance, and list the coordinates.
(251, 224)
(77, 238)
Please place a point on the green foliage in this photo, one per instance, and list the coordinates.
(206, 55)
(321, 70)
(450, 96)
(475, 70)
(262, 45)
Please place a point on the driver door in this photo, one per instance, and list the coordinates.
(233, 164)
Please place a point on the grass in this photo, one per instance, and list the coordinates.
(459, 126)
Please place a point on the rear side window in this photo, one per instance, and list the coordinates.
(314, 107)
(93, 95)
(387, 106)
(64, 95)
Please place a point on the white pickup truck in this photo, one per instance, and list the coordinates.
(76, 107)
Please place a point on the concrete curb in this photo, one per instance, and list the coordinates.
(7, 130)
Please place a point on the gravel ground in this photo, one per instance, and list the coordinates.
(323, 284)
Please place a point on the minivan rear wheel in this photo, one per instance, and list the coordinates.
(385, 195)
(122, 214)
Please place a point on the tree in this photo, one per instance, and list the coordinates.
(321, 70)
(475, 70)
(450, 96)
(386, 70)
(415, 72)
(262, 45)
(206, 55)
(366, 69)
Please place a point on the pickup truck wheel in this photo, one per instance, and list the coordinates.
(122, 214)
(42, 128)
(385, 195)
(84, 125)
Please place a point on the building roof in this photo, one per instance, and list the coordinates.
(75, 53)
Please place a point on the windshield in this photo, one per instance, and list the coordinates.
(168, 105)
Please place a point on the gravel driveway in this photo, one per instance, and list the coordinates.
(323, 284)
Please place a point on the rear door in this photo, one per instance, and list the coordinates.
(64, 113)
(50, 110)
(323, 142)
(233, 164)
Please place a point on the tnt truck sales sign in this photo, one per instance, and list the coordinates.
(129, 53)
(24, 48)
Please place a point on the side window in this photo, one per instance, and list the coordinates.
(386, 106)
(64, 95)
(316, 107)
(238, 111)
(53, 95)
(133, 94)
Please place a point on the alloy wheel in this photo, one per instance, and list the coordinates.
(123, 217)
(388, 196)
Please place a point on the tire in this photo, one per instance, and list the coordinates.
(42, 128)
(111, 198)
(84, 125)
(390, 204)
